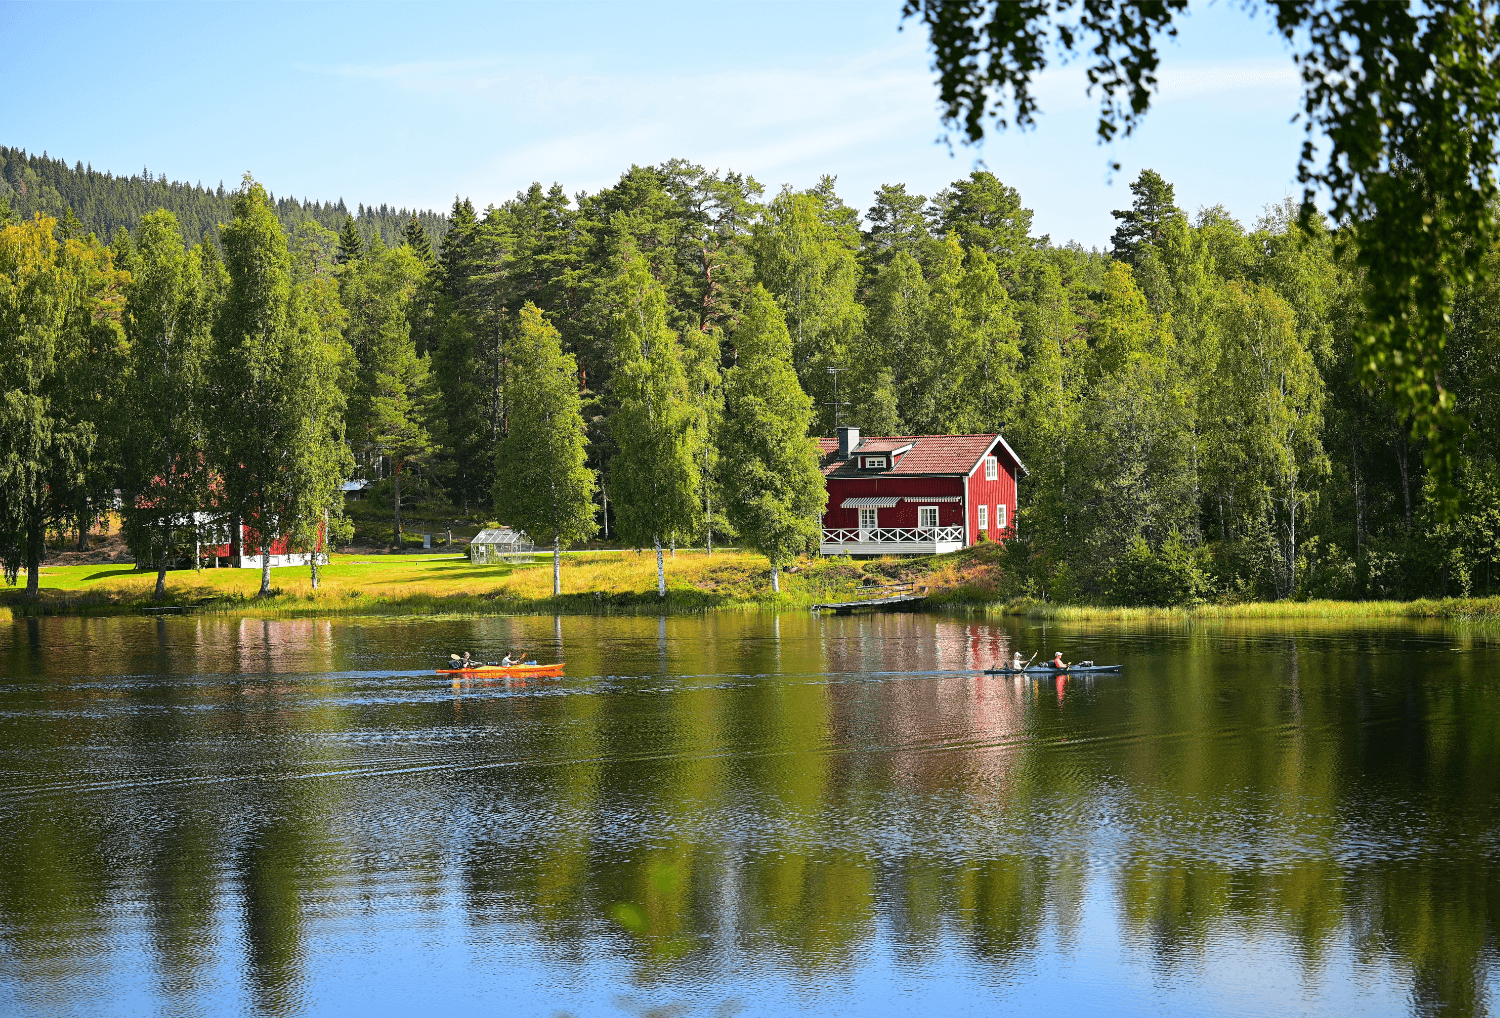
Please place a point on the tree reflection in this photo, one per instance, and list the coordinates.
(794, 789)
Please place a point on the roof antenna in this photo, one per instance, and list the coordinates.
(836, 404)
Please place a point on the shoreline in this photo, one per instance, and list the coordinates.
(623, 582)
(693, 602)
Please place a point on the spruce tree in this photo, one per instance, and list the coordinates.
(701, 361)
(351, 245)
(775, 489)
(542, 483)
(415, 237)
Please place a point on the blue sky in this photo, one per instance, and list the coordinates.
(411, 104)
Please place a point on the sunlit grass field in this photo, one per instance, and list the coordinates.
(427, 584)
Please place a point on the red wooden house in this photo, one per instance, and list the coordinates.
(916, 494)
(223, 544)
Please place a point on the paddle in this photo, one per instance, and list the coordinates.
(1028, 663)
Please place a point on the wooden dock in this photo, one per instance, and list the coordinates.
(888, 597)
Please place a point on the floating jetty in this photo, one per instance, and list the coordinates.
(894, 597)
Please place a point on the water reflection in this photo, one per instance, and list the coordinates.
(273, 816)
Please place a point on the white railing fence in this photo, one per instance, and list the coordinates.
(893, 535)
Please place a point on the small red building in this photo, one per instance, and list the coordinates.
(916, 494)
(223, 544)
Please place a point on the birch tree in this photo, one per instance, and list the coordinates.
(542, 482)
(167, 319)
(58, 299)
(274, 377)
(775, 489)
(654, 477)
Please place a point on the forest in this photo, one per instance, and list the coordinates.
(1198, 421)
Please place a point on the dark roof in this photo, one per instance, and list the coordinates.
(930, 454)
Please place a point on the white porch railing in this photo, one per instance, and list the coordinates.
(894, 535)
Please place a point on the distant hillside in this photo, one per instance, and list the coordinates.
(104, 202)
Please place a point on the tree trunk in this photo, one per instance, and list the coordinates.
(265, 568)
(674, 546)
(1401, 458)
(661, 571)
(83, 523)
(161, 581)
(396, 505)
(314, 561)
(775, 578)
(35, 539)
(1359, 508)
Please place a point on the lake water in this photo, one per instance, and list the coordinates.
(747, 814)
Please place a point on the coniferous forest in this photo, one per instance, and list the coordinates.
(1191, 405)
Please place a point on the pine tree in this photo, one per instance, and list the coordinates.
(775, 489)
(542, 483)
(982, 212)
(1145, 222)
(805, 255)
(897, 223)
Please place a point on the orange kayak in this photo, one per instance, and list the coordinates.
(524, 670)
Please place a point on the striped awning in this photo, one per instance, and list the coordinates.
(868, 503)
(929, 499)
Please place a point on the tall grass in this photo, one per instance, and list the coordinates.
(1448, 608)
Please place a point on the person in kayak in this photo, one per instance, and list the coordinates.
(506, 661)
(1058, 663)
(465, 662)
(1016, 663)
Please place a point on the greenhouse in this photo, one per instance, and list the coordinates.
(500, 545)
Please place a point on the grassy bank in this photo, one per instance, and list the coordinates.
(1461, 608)
(595, 581)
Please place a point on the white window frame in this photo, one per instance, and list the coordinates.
(870, 522)
(875, 462)
(1000, 514)
(927, 517)
(984, 516)
(991, 468)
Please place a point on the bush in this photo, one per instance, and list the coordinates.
(1170, 576)
(1324, 572)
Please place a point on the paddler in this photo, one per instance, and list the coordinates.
(506, 661)
(1016, 664)
(1058, 663)
(464, 662)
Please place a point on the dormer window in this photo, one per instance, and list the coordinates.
(874, 462)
